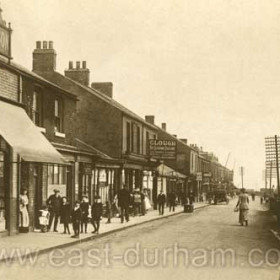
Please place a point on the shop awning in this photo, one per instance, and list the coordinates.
(23, 136)
(167, 171)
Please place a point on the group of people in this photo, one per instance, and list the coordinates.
(137, 201)
(125, 203)
(80, 215)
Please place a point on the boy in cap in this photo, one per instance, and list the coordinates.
(96, 213)
(76, 219)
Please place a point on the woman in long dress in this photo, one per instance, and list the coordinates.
(243, 204)
(24, 217)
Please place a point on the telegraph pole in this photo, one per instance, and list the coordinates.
(277, 164)
(242, 174)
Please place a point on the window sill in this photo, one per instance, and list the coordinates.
(41, 129)
(59, 134)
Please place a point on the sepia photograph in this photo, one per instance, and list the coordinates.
(139, 139)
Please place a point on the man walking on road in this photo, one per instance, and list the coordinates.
(123, 203)
(161, 202)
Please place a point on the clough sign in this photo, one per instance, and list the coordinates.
(162, 149)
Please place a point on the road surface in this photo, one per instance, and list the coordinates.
(208, 244)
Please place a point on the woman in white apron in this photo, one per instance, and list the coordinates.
(24, 217)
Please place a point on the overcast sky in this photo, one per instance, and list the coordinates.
(209, 69)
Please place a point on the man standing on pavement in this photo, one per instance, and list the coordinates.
(161, 202)
(54, 203)
(124, 202)
(172, 201)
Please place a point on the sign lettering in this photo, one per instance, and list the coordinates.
(162, 149)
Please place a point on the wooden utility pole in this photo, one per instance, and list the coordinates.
(242, 174)
(277, 164)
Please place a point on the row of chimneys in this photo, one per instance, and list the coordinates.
(151, 119)
(44, 59)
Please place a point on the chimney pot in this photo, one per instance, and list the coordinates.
(70, 64)
(84, 64)
(78, 64)
(38, 45)
(45, 44)
(150, 119)
(51, 45)
(163, 126)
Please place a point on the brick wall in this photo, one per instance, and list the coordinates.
(8, 84)
(48, 119)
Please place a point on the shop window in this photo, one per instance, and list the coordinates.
(56, 175)
(36, 107)
(58, 127)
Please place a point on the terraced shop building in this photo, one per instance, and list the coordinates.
(104, 124)
(39, 149)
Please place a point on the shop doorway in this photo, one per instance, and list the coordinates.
(3, 183)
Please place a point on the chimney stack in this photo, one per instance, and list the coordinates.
(78, 74)
(150, 119)
(163, 126)
(174, 135)
(105, 88)
(184, 140)
(44, 57)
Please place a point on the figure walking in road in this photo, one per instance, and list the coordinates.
(124, 202)
(243, 204)
(54, 203)
(161, 202)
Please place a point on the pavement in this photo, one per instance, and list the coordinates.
(170, 248)
(35, 243)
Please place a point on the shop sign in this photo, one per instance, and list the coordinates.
(199, 176)
(208, 174)
(162, 149)
(102, 175)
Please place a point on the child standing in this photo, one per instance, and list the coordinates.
(65, 215)
(108, 211)
(84, 209)
(96, 213)
(76, 219)
(44, 219)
